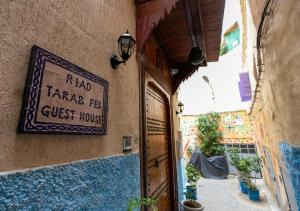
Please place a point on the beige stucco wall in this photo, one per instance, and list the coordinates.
(279, 100)
(257, 8)
(176, 127)
(276, 112)
(84, 33)
(277, 106)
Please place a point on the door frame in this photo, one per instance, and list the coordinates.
(148, 77)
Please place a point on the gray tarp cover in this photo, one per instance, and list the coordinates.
(215, 167)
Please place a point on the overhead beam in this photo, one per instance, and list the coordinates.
(189, 17)
(195, 25)
(200, 36)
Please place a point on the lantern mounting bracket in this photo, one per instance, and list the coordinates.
(126, 45)
(115, 62)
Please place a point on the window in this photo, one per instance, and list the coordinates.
(243, 148)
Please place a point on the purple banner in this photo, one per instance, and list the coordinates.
(245, 87)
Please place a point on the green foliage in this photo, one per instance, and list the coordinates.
(243, 165)
(189, 150)
(192, 174)
(136, 203)
(189, 195)
(223, 48)
(244, 169)
(209, 134)
(252, 186)
(256, 164)
(234, 156)
(231, 40)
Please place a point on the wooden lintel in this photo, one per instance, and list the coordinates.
(195, 25)
(200, 37)
(189, 18)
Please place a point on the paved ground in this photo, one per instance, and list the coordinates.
(219, 195)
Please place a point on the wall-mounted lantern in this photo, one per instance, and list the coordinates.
(180, 107)
(196, 56)
(126, 45)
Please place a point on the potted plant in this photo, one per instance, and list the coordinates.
(234, 156)
(190, 203)
(243, 167)
(255, 165)
(253, 192)
(136, 203)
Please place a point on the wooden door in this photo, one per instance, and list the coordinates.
(157, 147)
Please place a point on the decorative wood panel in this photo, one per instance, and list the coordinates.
(197, 23)
(158, 172)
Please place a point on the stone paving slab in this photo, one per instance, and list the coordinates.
(219, 195)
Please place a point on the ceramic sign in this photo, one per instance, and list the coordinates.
(60, 97)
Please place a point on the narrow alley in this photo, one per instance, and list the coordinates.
(161, 105)
(221, 195)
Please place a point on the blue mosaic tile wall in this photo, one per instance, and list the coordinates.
(102, 184)
(291, 156)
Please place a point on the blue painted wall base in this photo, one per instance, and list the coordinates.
(291, 156)
(179, 180)
(103, 184)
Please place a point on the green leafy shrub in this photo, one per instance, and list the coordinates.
(137, 203)
(192, 174)
(234, 156)
(189, 150)
(209, 134)
(256, 164)
(243, 165)
(252, 186)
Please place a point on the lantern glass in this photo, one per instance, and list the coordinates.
(196, 56)
(126, 46)
(180, 107)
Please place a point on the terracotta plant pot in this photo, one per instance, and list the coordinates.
(189, 205)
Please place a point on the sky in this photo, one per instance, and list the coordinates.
(196, 94)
